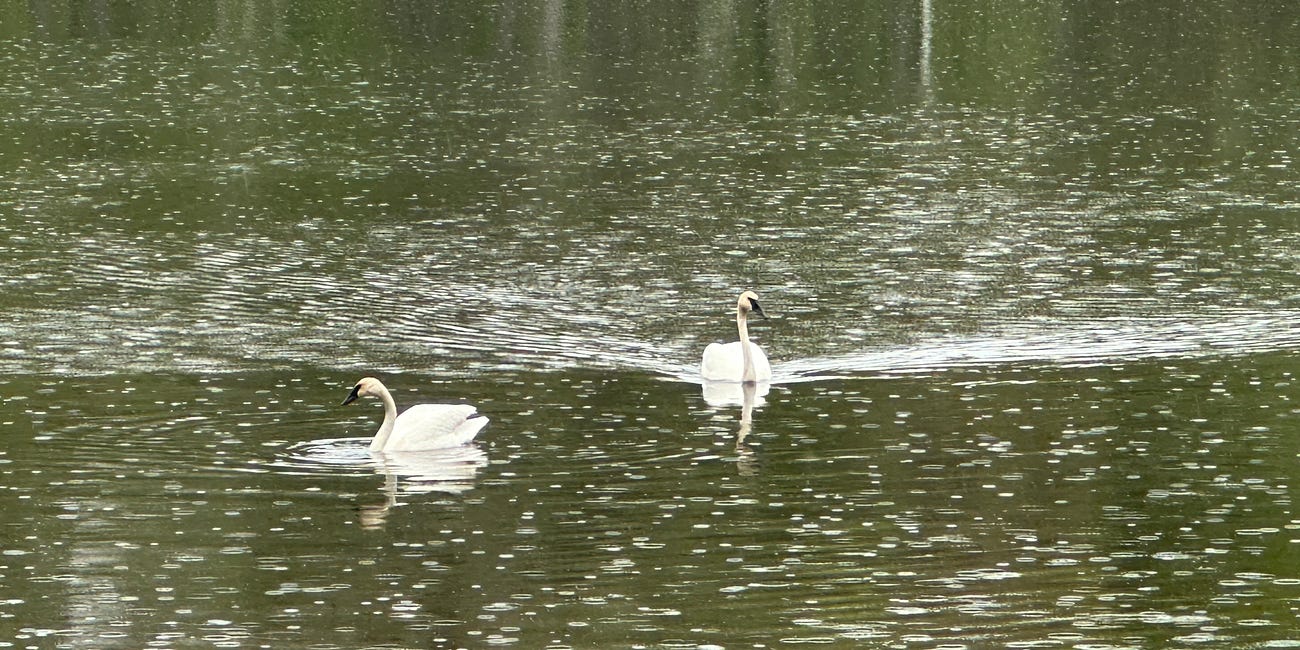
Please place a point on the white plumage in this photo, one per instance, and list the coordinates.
(742, 360)
(726, 362)
(421, 427)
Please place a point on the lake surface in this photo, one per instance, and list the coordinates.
(1030, 275)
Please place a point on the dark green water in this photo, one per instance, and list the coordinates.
(1031, 273)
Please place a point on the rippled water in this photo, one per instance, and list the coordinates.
(1032, 328)
(1077, 506)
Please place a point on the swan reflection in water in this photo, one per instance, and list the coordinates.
(406, 473)
(445, 471)
(719, 394)
(746, 459)
(747, 396)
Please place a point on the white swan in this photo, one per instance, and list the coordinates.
(741, 360)
(421, 427)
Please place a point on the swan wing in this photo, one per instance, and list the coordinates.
(726, 362)
(435, 426)
(722, 362)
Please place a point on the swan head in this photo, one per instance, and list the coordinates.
(748, 302)
(367, 387)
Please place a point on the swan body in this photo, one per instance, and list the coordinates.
(421, 427)
(738, 361)
(726, 362)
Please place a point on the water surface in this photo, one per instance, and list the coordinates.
(1030, 276)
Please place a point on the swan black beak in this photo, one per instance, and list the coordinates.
(753, 304)
(352, 396)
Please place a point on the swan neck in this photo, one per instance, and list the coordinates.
(390, 419)
(747, 357)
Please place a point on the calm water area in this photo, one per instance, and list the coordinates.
(1029, 269)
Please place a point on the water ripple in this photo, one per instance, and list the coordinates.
(445, 470)
(1085, 343)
